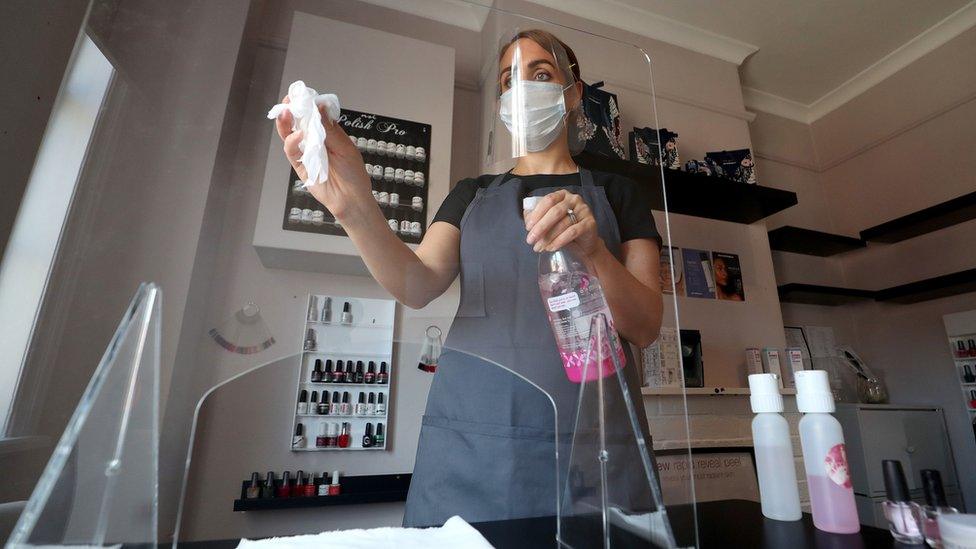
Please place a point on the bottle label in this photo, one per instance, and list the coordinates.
(563, 302)
(835, 465)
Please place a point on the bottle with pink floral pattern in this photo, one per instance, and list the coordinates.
(572, 296)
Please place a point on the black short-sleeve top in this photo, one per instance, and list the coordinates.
(629, 202)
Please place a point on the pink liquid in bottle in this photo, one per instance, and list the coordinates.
(572, 297)
(832, 506)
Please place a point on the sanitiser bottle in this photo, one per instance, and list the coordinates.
(778, 493)
(572, 296)
(825, 456)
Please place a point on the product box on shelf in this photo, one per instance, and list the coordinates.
(655, 147)
(736, 165)
(344, 385)
(662, 364)
(598, 122)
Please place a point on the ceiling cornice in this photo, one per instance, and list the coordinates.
(452, 12)
(931, 39)
(657, 27)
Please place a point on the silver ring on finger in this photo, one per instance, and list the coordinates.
(572, 216)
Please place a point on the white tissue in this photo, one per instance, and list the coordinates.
(303, 105)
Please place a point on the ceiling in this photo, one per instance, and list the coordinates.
(798, 58)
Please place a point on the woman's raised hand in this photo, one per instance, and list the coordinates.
(348, 187)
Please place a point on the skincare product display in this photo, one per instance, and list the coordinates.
(344, 383)
(661, 361)
(825, 456)
(779, 495)
(963, 349)
(395, 154)
(898, 510)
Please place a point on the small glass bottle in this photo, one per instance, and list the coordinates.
(927, 516)
(898, 506)
(254, 488)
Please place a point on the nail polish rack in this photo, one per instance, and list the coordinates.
(358, 333)
(963, 349)
(396, 154)
(354, 490)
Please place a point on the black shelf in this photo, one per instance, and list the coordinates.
(694, 194)
(810, 242)
(813, 294)
(355, 490)
(940, 216)
(931, 288)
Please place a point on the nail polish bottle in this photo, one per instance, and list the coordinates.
(972, 399)
(323, 489)
(335, 406)
(380, 437)
(898, 506)
(367, 437)
(268, 488)
(254, 489)
(316, 376)
(337, 373)
(327, 373)
(308, 489)
(323, 409)
(371, 405)
(313, 403)
(284, 489)
(346, 313)
(343, 441)
(961, 349)
(310, 340)
(345, 408)
(359, 372)
(380, 405)
(971, 343)
(370, 376)
(361, 405)
(323, 435)
(332, 440)
(350, 374)
(382, 378)
(299, 440)
(967, 374)
(927, 516)
(303, 402)
(326, 310)
(313, 305)
(334, 488)
(298, 489)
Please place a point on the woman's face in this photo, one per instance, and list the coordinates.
(721, 273)
(536, 64)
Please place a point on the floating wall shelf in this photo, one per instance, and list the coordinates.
(931, 288)
(813, 294)
(694, 194)
(810, 242)
(355, 490)
(933, 218)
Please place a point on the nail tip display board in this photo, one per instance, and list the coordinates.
(300, 206)
(367, 338)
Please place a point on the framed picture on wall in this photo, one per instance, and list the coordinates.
(728, 277)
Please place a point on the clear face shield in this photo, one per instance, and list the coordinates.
(537, 97)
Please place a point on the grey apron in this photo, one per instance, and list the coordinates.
(487, 443)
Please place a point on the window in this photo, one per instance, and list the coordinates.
(36, 233)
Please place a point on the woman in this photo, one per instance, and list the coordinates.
(487, 443)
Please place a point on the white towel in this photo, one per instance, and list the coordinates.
(455, 534)
(303, 105)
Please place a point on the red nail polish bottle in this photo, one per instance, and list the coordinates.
(309, 487)
(298, 488)
(284, 489)
(320, 440)
(344, 436)
(382, 378)
(334, 487)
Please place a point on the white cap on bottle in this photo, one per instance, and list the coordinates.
(764, 393)
(335, 477)
(813, 392)
(529, 203)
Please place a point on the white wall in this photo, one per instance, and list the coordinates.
(903, 145)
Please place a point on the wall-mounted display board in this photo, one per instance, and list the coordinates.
(397, 157)
(344, 388)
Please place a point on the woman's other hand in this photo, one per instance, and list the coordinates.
(348, 187)
(550, 227)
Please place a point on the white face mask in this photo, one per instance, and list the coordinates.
(540, 116)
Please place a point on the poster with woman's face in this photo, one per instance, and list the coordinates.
(728, 277)
(672, 271)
